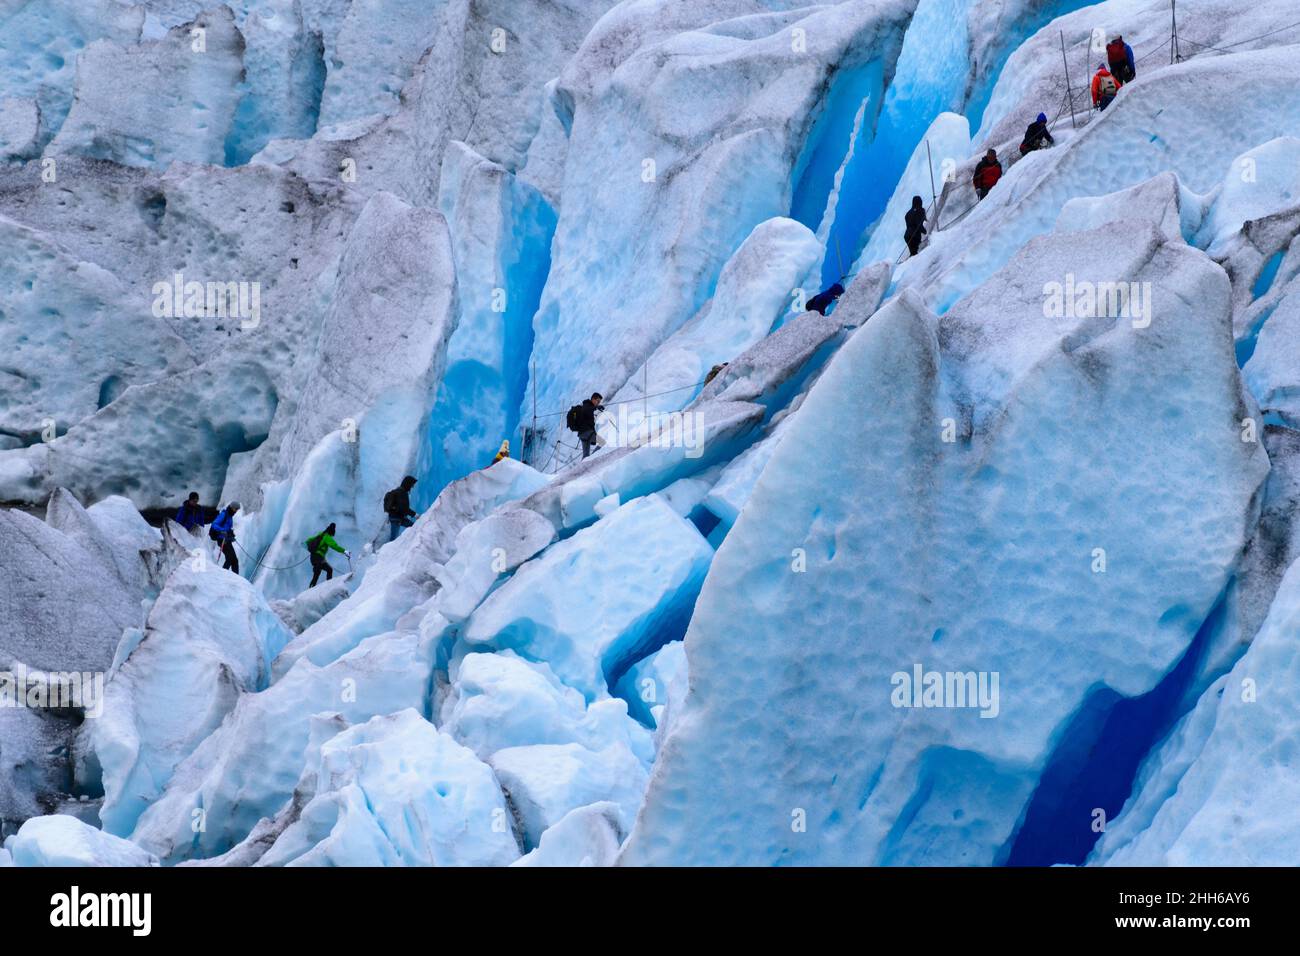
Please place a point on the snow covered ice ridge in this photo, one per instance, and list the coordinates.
(992, 562)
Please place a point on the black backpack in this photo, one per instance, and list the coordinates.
(571, 419)
(388, 501)
(312, 543)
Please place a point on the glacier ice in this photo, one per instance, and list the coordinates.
(209, 637)
(66, 606)
(193, 71)
(545, 782)
(411, 570)
(585, 836)
(1221, 787)
(501, 232)
(20, 128)
(650, 563)
(500, 700)
(758, 283)
(898, 785)
(247, 768)
(461, 216)
(394, 791)
(699, 180)
(59, 840)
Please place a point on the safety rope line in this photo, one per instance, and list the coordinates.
(1147, 56)
(554, 449)
(628, 401)
(1225, 49)
(271, 567)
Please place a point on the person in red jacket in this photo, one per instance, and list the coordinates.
(987, 172)
(1120, 57)
(1104, 87)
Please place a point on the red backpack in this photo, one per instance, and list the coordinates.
(1115, 52)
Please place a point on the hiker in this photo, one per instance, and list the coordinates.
(223, 532)
(1120, 57)
(397, 505)
(190, 515)
(1104, 87)
(582, 419)
(503, 451)
(822, 301)
(713, 372)
(915, 220)
(987, 173)
(319, 546)
(1037, 136)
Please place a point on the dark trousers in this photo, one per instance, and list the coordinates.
(1121, 72)
(395, 526)
(1104, 102)
(588, 438)
(913, 243)
(319, 564)
(232, 560)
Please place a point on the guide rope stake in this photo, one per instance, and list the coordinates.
(1069, 92)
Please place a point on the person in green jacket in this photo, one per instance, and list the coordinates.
(319, 546)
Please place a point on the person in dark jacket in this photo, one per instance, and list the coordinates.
(319, 546)
(915, 220)
(397, 505)
(987, 173)
(1037, 136)
(822, 300)
(584, 422)
(1119, 57)
(223, 532)
(190, 515)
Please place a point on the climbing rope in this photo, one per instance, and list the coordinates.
(555, 449)
(627, 401)
(958, 219)
(1225, 49)
(1151, 53)
(270, 567)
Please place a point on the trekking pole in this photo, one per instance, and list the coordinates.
(1069, 92)
(839, 259)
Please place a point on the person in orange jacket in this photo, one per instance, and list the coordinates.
(1104, 87)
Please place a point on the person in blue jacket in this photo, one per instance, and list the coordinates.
(223, 532)
(190, 515)
(1120, 57)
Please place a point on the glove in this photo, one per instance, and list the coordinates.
(347, 554)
